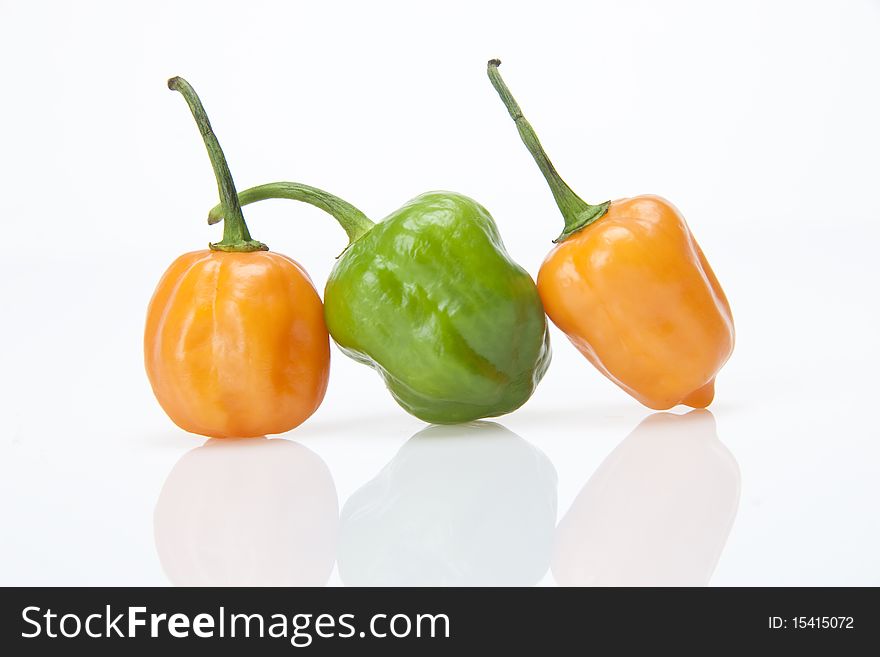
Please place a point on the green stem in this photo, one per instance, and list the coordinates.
(236, 236)
(577, 213)
(353, 221)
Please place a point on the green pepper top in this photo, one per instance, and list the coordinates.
(430, 298)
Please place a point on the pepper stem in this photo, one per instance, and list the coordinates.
(576, 212)
(236, 236)
(354, 222)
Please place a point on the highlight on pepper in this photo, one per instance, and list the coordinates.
(235, 343)
(630, 287)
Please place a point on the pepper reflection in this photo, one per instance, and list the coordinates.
(248, 512)
(657, 512)
(458, 505)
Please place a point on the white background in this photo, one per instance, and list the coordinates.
(759, 120)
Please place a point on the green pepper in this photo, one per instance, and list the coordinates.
(432, 301)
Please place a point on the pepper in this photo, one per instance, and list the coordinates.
(430, 298)
(630, 287)
(235, 343)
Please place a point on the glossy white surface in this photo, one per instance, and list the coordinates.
(758, 120)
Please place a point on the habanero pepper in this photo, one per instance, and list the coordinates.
(430, 299)
(630, 287)
(235, 343)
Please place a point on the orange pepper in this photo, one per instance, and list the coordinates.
(630, 287)
(635, 295)
(235, 343)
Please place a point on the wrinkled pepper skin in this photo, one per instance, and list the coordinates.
(430, 299)
(634, 293)
(235, 344)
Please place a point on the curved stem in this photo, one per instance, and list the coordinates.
(353, 221)
(236, 236)
(576, 212)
